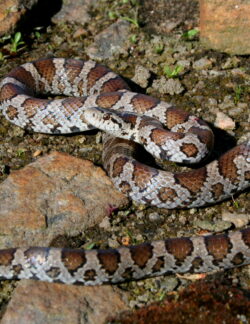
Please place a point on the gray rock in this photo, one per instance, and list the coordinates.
(202, 63)
(141, 76)
(217, 226)
(74, 12)
(110, 41)
(171, 86)
(239, 220)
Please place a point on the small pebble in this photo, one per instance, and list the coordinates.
(169, 284)
(105, 223)
(231, 62)
(171, 86)
(82, 139)
(202, 63)
(141, 76)
(154, 217)
(218, 226)
(112, 243)
(184, 63)
(85, 149)
(239, 220)
(37, 153)
(140, 214)
(224, 122)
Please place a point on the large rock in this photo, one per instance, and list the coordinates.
(76, 11)
(39, 302)
(225, 25)
(11, 11)
(110, 42)
(56, 195)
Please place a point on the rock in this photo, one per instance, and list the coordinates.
(56, 195)
(11, 11)
(141, 76)
(231, 62)
(239, 220)
(110, 41)
(171, 86)
(225, 25)
(105, 223)
(220, 304)
(184, 63)
(217, 226)
(74, 12)
(153, 217)
(223, 121)
(39, 302)
(169, 283)
(202, 64)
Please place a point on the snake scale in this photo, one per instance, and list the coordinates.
(96, 97)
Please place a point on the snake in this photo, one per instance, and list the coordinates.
(96, 97)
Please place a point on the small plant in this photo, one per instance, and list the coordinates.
(36, 32)
(112, 15)
(90, 246)
(133, 21)
(159, 48)
(172, 72)
(162, 296)
(238, 93)
(190, 34)
(16, 41)
(235, 203)
(134, 11)
(21, 152)
(133, 38)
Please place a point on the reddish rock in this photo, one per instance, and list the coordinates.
(201, 302)
(225, 25)
(38, 302)
(56, 195)
(11, 12)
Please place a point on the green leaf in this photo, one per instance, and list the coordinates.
(190, 34)
(17, 37)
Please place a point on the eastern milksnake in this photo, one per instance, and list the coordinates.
(91, 91)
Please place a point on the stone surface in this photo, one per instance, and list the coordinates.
(202, 63)
(218, 226)
(142, 75)
(56, 195)
(223, 121)
(11, 12)
(38, 302)
(225, 25)
(202, 302)
(171, 86)
(239, 220)
(110, 41)
(76, 11)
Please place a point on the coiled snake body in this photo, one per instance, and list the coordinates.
(97, 97)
